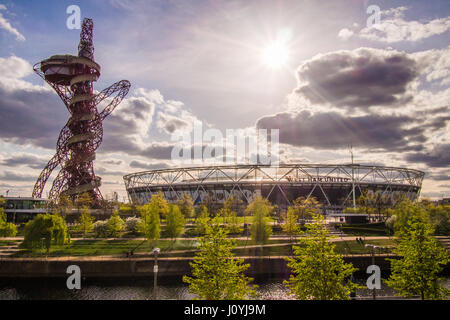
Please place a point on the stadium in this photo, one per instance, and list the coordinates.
(334, 186)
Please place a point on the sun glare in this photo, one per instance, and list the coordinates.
(275, 55)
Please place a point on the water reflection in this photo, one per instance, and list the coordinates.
(139, 289)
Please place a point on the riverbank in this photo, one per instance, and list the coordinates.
(104, 267)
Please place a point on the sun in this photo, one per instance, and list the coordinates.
(275, 55)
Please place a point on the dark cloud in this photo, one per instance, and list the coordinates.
(333, 130)
(13, 176)
(439, 156)
(438, 123)
(114, 162)
(27, 160)
(148, 166)
(360, 78)
(31, 116)
(443, 176)
(105, 172)
(170, 123)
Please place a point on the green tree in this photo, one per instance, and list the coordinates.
(83, 199)
(230, 220)
(159, 202)
(186, 205)
(405, 210)
(233, 203)
(115, 225)
(290, 225)
(46, 229)
(7, 229)
(202, 221)
(86, 222)
(150, 224)
(306, 208)
(439, 217)
(216, 273)
(175, 222)
(318, 272)
(260, 210)
(65, 205)
(422, 259)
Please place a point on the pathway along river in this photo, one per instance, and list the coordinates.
(140, 289)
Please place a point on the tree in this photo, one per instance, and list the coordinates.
(230, 220)
(318, 272)
(159, 202)
(174, 222)
(86, 222)
(7, 229)
(186, 205)
(150, 224)
(216, 273)
(202, 221)
(65, 205)
(83, 199)
(306, 208)
(439, 218)
(210, 202)
(233, 203)
(46, 229)
(260, 209)
(405, 210)
(422, 259)
(115, 225)
(290, 225)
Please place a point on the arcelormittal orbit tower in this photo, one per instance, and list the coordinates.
(72, 77)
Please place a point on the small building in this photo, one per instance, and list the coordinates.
(23, 209)
(350, 218)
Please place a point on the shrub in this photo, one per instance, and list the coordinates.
(131, 224)
(7, 229)
(115, 225)
(101, 229)
(45, 229)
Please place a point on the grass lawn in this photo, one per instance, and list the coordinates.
(120, 247)
(107, 247)
(4, 243)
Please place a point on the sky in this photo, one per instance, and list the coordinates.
(326, 74)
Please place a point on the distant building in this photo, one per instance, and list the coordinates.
(22, 209)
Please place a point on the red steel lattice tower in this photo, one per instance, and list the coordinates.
(72, 78)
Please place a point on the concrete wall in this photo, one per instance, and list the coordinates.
(136, 267)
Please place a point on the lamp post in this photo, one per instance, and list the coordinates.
(374, 295)
(155, 273)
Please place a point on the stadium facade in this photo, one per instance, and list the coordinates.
(332, 185)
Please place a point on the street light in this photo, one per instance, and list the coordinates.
(155, 273)
(373, 263)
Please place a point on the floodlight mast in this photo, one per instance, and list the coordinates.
(72, 78)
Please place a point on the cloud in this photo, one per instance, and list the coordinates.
(394, 28)
(171, 123)
(113, 162)
(25, 160)
(13, 176)
(29, 114)
(6, 25)
(345, 34)
(435, 64)
(439, 156)
(333, 131)
(360, 78)
(148, 166)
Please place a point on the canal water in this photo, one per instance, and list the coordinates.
(142, 289)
